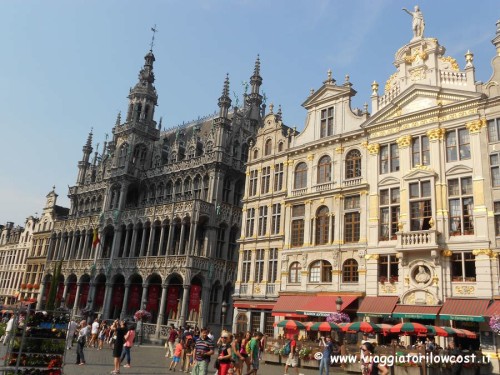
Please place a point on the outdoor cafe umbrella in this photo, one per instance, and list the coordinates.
(454, 332)
(436, 331)
(365, 327)
(409, 327)
(291, 324)
(468, 334)
(385, 328)
(324, 327)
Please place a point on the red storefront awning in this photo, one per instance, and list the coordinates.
(468, 309)
(254, 305)
(416, 311)
(494, 309)
(378, 307)
(307, 305)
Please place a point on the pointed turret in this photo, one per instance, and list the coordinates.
(84, 163)
(225, 100)
(254, 99)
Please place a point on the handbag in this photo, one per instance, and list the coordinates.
(217, 364)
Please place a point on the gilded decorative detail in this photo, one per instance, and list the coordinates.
(435, 280)
(373, 148)
(389, 82)
(417, 74)
(362, 272)
(447, 253)
(372, 256)
(387, 288)
(486, 252)
(404, 141)
(256, 289)
(465, 289)
(436, 134)
(476, 126)
(417, 56)
(338, 196)
(336, 272)
(364, 144)
(339, 150)
(452, 61)
(310, 157)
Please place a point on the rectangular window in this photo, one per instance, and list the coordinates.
(389, 213)
(253, 183)
(259, 265)
(495, 169)
(246, 265)
(420, 151)
(326, 122)
(351, 202)
(250, 222)
(278, 177)
(297, 232)
(461, 205)
(420, 205)
(463, 267)
(388, 268)
(221, 234)
(262, 220)
(272, 272)
(494, 130)
(269, 324)
(276, 219)
(389, 158)
(265, 180)
(497, 218)
(457, 145)
(351, 227)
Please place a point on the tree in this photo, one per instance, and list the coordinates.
(54, 285)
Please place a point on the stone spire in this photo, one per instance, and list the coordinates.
(225, 100)
(496, 40)
(254, 99)
(84, 163)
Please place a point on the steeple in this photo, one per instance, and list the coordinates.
(83, 164)
(225, 100)
(254, 99)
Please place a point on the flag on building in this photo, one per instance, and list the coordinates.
(95, 239)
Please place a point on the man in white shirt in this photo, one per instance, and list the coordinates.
(72, 326)
(94, 331)
(9, 330)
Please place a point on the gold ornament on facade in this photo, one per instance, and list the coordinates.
(400, 226)
(486, 252)
(465, 290)
(431, 223)
(475, 126)
(469, 57)
(436, 134)
(256, 289)
(452, 61)
(373, 148)
(404, 141)
(339, 150)
(418, 74)
(435, 280)
(364, 144)
(372, 256)
(389, 82)
(447, 253)
(310, 157)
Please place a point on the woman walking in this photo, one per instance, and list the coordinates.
(120, 332)
(225, 353)
(129, 342)
(82, 339)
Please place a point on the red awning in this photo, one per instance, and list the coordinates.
(494, 309)
(310, 305)
(377, 306)
(254, 305)
(416, 311)
(469, 309)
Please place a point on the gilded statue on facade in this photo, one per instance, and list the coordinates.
(418, 24)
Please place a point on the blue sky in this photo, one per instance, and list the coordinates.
(67, 66)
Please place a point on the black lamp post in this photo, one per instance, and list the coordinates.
(223, 311)
(338, 303)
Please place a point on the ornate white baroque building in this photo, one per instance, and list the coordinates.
(397, 211)
(167, 209)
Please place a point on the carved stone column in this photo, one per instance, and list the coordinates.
(181, 240)
(77, 298)
(107, 300)
(162, 239)
(126, 246)
(184, 307)
(161, 314)
(143, 240)
(125, 300)
(144, 295)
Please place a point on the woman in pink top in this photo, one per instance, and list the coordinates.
(129, 342)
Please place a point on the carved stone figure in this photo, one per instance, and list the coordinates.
(422, 275)
(418, 24)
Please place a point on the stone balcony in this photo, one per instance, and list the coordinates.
(417, 240)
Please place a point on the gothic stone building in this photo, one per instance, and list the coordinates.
(396, 211)
(167, 209)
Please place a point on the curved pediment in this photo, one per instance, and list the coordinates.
(458, 170)
(420, 171)
(389, 181)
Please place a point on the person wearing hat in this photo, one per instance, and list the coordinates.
(225, 353)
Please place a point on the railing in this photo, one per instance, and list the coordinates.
(299, 192)
(388, 96)
(417, 239)
(324, 187)
(270, 289)
(456, 78)
(352, 182)
(243, 289)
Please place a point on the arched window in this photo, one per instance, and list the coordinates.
(280, 146)
(268, 148)
(295, 270)
(255, 154)
(226, 190)
(322, 225)
(168, 191)
(353, 164)
(324, 169)
(178, 189)
(197, 187)
(320, 272)
(187, 188)
(300, 181)
(206, 181)
(214, 297)
(350, 271)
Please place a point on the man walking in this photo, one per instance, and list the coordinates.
(172, 335)
(9, 330)
(203, 349)
(254, 353)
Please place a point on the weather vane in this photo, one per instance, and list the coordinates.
(154, 30)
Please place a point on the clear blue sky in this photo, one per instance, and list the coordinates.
(67, 66)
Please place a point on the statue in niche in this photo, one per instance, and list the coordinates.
(422, 276)
(418, 24)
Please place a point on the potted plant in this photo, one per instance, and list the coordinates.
(393, 279)
(382, 279)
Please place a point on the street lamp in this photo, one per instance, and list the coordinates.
(338, 303)
(223, 311)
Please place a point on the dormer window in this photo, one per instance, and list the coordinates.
(326, 125)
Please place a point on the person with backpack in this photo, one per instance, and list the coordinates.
(253, 353)
(292, 360)
(244, 352)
